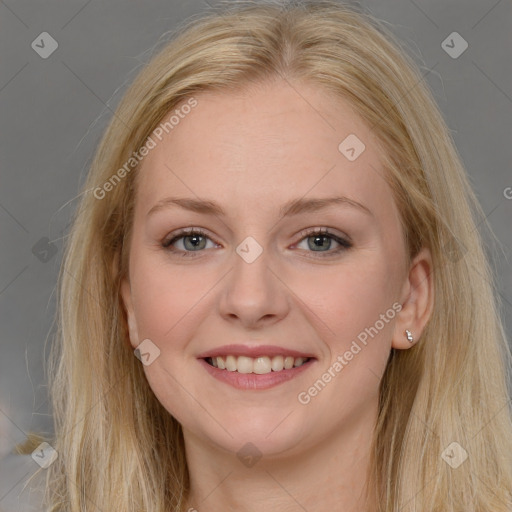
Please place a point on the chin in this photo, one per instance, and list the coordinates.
(264, 439)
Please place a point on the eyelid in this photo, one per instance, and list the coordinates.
(344, 243)
(327, 231)
(183, 232)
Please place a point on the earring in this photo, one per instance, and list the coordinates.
(408, 333)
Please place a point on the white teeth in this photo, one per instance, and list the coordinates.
(277, 363)
(244, 364)
(230, 363)
(262, 365)
(288, 362)
(258, 365)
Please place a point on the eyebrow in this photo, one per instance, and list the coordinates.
(293, 207)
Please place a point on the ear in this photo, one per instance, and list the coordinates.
(417, 299)
(126, 295)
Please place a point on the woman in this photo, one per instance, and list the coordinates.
(209, 358)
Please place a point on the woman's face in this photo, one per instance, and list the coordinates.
(258, 173)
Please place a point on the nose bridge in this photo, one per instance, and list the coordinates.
(253, 290)
(251, 269)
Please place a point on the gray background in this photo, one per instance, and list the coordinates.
(54, 110)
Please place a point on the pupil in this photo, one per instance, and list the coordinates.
(196, 240)
(316, 241)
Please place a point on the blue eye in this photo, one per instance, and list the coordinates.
(195, 240)
(316, 238)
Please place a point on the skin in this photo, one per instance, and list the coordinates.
(252, 152)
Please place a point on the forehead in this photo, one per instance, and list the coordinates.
(265, 143)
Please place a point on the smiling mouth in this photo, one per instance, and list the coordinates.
(258, 365)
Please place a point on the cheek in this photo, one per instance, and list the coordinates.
(352, 298)
(163, 295)
(167, 300)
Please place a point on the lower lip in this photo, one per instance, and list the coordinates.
(253, 381)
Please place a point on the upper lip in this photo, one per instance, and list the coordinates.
(253, 351)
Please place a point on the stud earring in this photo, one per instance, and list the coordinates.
(408, 333)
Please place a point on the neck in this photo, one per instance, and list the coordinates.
(331, 475)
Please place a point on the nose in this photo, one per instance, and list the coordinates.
(253, 294)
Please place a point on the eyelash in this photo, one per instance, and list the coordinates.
(306, 233)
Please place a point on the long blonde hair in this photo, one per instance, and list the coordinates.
(119, 449)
